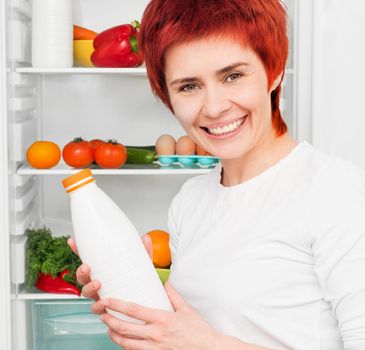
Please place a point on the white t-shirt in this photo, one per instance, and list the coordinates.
(279, 260)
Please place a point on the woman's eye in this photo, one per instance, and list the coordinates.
(188, 88)
(233, 77)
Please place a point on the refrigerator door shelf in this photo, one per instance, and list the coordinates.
(22, 104)
(24, 219)
(23, 7)
(18, 245)
(24, 135)
(25, 199)
(18, 46)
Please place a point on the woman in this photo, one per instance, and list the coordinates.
(269, 248)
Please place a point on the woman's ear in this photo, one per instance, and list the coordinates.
(276, 82)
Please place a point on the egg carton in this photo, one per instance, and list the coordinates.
(188, 160)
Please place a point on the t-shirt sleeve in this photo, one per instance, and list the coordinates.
(339, 252)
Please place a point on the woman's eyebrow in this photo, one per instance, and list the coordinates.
(183, 80)
(218, 72)
(231, 67)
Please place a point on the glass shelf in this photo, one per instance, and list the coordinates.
(139, 71)
(78, 70)
(127, 169)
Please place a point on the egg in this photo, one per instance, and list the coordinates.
(165, 145)
(201, 151)
(185, 146)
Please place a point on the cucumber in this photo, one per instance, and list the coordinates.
(137, 155)
(151, 148)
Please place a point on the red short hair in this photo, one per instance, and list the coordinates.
(259, 24)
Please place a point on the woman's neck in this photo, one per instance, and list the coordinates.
(257, 160)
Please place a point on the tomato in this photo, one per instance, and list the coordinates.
(78, 153)
(111, 155)
(43, 154)
(96, 143)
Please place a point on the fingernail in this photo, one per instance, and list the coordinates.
(82, 270)
(102, 317)
(106, 302)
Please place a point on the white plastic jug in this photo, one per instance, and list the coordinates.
(52, 34)
(109, 243)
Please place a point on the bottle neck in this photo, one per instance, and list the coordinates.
(82, 185)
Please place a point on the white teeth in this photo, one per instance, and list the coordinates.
(227, 128)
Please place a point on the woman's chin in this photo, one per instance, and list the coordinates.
(229, 157)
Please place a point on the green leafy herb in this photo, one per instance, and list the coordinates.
(49, 255)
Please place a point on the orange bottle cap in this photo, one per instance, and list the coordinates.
(78, 180)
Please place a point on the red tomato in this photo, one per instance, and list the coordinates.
(96, 143)
(78, 153)
(111, 155)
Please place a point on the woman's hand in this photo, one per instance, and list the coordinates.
(182, 329)
(91, 287)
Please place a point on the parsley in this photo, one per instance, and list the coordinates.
(49, 255)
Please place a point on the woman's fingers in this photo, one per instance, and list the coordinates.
(90, 290)
(146, 239)
(98, 307)
(71, 242)
(128, 343)
(128, 329)
(83, 274)
(136, 311)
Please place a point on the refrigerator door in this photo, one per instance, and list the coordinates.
(338, 125)
(4, 202)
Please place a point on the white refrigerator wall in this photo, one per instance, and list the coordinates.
(338, 118)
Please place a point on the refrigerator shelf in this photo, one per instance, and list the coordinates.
(36, 295)
(128, 169)
(78, 70)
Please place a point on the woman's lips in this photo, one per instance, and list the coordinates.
(225, 134)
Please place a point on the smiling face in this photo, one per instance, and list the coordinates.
(219, 93)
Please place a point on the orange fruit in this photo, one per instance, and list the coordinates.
(161, 255)
(43, 154)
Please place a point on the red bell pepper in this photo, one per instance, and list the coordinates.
(117, 47)
(48, 283)
(116, 33)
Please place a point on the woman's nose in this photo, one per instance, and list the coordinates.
(215, 103)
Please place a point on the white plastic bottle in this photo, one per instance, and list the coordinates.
(109, 243)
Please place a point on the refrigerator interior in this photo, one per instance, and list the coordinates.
(61, 104)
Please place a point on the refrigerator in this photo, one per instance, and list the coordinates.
(322, 103)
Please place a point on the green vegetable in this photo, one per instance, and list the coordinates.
(140, 155)
(49, 255)
(151, 147)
